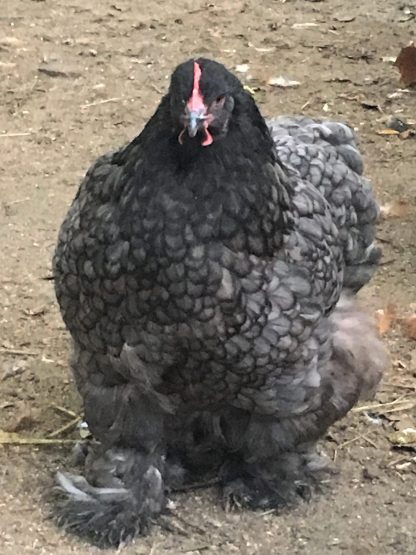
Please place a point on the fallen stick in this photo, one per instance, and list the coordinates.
(99, 102)
(15, 134)
(66, 428)
(19, 352)
(12, 438)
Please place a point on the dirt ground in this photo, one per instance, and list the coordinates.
(80, 77)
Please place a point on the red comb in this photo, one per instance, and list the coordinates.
(196, 102)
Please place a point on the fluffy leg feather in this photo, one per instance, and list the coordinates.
(274, 483)
(276, 460)
(123, 489)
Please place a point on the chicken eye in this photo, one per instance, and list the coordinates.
(219, 101)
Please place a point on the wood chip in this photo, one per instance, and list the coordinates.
(385, 318)
(304, 25)
(282, 82)
(344, 18)
(406, 63)
(410, 326)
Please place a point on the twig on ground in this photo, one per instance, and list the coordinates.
(66, 428)
(203, 548)
(370, 442)
(16, 134)
(64, 411)
(197, 485)
(12, 438)
(412, 387)
(100, 102)
(18, 352)
(404, 458)
(17, 201)
(169, 526)
(269, 512)
(153, 549)
(405, 406)
(155, 88)
(195, 527)
(353, 440)
(384, 406)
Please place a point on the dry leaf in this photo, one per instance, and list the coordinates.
(406, 62)
(404, 437)
(283, 82)
(394, 209)
(370, 105)
(410, 325)
(385, 318)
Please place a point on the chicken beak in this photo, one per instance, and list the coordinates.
(196, 122)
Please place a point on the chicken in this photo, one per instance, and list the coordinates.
(207, 274)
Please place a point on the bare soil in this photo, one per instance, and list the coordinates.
(80, 77)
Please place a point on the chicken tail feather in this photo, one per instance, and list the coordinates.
(359, 357)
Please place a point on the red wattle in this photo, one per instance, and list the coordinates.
(208, 138)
